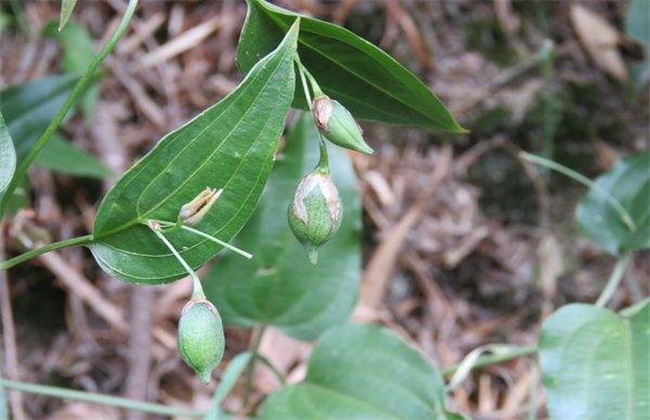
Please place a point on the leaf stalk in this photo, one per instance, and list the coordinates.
(616, 205)
(614, 281)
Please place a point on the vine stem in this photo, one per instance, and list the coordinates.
(126, 403)
(77, 91)
(81, 240)
(616, 205)
(494, 359)
(255, 348)
(614, 281)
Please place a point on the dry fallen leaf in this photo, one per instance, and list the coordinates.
(601, 40)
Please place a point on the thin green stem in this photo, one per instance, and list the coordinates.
(210, 237)
(549, 103)
(70, 394)
(616, 205)
(323, 160)
(305, 87)
(218, 241)
(614, 281)
(77, 91)
(494, 359)
(81, 240)
(255, 348)
(279, 376)
(198, 289)
(312, 81)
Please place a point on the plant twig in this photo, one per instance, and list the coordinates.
(614, 281)
(77, 91)
(101, 399)
(81, 240)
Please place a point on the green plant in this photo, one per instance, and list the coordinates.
(159, 223)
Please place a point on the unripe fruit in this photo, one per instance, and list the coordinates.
(315, 212)
(336, 123)
(200, 337)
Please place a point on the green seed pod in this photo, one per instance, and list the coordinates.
(336, 123)
(315, 212)
(200, 337)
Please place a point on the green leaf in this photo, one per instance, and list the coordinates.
(362, 372)
(7, 156)
(366, 80)
(595, 363)
(62, 156)
(29, 108)
(637, 25)
(228, 381)
(230, 145)
(19, 198)
(629, 183)
(67, 6)
(279, 286)
(78, 53)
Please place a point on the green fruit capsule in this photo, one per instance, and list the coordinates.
(336, 123)
(315, 213)
(200, 337)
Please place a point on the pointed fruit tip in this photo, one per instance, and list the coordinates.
(312, 254)
(205, 376)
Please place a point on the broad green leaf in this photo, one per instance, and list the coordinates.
(29, 108)
(78, 53)
(362, 372)
(62, 156)
(629, 183)
(67, 6)
(595, 364)
(230, 145)
(227, 382)
(7, 156)
(637, 25)
(279, 286)
(366, 80)
(19, 198)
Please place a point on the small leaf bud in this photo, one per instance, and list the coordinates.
(200, 337)
(194, 211)
(315, 212)
(336, 123)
